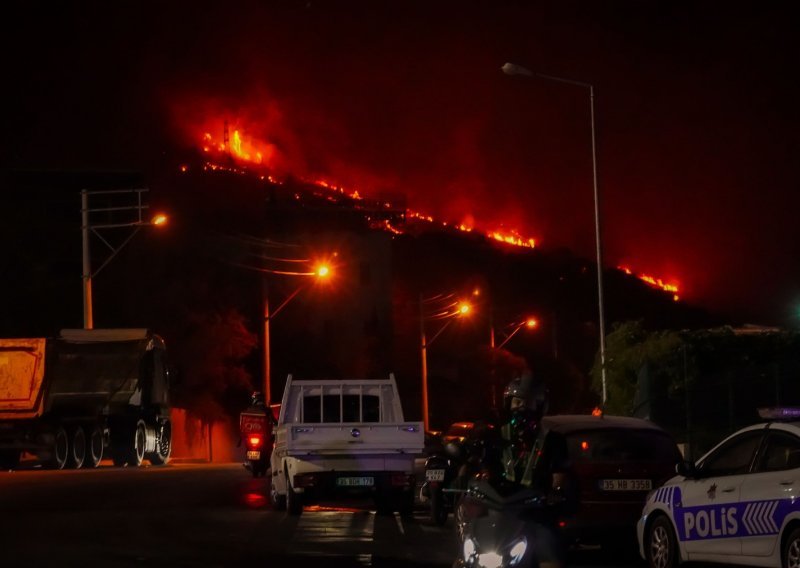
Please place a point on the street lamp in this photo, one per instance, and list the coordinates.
(512, 69)
(440, 307)
(321, 271)
(529, 323)
(133, 216)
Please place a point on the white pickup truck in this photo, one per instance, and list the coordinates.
(339, 437)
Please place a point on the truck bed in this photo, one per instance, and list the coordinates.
(339, 439)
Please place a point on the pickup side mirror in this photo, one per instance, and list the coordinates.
(687, 469)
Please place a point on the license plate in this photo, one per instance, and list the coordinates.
(355, 481)
(626, 484)
(253, 455)
(434, 474)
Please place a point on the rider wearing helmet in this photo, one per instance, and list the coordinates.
(524, 404)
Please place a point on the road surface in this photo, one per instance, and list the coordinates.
(201, 515)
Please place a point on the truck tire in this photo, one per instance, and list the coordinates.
(294, 504)
(136, 456)
(94, 446)
(77, 448)
(278, 500)
(9, 459)
(60, 449)
(438, 510)
(163, 445)
(129, 445)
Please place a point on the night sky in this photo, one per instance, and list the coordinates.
(696, 114)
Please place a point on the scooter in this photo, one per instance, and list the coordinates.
(257, 455)
(256, 433)
(440, 471)
(505, 525)
(446, 475)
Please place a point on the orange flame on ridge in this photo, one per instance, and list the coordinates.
(250, 150)
(654, 282)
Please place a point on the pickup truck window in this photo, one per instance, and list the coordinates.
(344, 408)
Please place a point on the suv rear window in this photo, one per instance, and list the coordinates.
(620, 445)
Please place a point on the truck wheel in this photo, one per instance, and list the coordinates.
(438, 511)
(277, 499)
(77, 453)
(136, 455)
(94, 446)
(294, 504)
(163, 445)
(407, 504)
(384, 504)
(128, 445)
(60, 449)
(9, 459)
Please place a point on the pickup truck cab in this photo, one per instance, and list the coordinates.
(344, 437)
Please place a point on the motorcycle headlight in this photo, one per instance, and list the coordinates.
(490, 560)
(517, 551)
(469, 548)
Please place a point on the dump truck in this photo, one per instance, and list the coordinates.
(339, 437)
(85, 395)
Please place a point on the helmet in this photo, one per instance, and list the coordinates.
(523, 397)
(256, 399)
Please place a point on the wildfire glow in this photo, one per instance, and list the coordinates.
(242, 148)
(654, 282)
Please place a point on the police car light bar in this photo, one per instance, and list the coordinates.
(779, 413)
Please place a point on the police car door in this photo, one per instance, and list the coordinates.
(707, 520)
(768, 492)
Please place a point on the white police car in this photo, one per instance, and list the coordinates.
(739, 504)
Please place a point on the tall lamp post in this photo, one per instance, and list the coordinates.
(133, 213)
(273, 258)
(530, 323)
(441, 307)
(321, 272)
(512, 69)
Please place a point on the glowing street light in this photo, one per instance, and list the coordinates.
(513, 69)
(323, 270)
(530, 323)
(132, 215)
(441, 307)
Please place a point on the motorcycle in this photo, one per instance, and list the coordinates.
(502, 524)
(446, 475)
(255, 431)
(440, 472)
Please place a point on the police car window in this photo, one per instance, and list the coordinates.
(734, 457)
(782, 451)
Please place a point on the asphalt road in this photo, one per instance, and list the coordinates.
(206, 516)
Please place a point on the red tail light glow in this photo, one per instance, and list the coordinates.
(254, 441)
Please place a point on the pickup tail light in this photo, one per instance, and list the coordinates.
(402, 480)
(304, 480)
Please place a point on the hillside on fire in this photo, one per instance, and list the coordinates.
(237, 236)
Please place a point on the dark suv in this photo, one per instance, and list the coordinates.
(603, 467)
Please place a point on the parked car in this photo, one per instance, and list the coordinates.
(738, 504)
(603, 468)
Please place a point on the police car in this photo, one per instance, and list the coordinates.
(739, 504)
